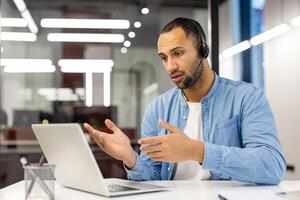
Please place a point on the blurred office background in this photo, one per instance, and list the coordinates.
(60, 71)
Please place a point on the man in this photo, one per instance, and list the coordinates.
(207, 127)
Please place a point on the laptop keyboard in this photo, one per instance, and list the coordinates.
(130, 186)
(141, 185)
(119, 188)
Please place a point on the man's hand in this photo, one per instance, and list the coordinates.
(174, 147)
(116, 145)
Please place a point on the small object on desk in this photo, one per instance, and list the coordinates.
(11, 136)
(247, 194)
(39, 180)
(41, 160)
(221, 197)
(290, 194)
(32, 182)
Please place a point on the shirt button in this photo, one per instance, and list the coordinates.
(169, 168)
(184, 117)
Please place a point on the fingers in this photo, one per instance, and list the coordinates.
(150, 148)
(111, 125)
(152, 140)
(88, 127)
(155, 155)
(167, 126)
(96, 135)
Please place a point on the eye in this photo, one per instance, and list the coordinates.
(163, 58)
(178, 53)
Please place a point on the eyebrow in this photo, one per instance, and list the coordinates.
(172, 50)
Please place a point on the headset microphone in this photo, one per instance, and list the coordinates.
(203, 52)
(190, 79)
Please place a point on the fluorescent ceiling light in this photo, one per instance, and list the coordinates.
(54, 91)
(127, 43)
(85, 62)
(30, 22)
(137, 24)
(106, 89)
(145, 11)
(236, 49)
(296, 21)
(58, 94)
(17, 36)
(20, 5)
(13, 22)
(123, 50)
(26, 15)
(84, 69)
(89, 89)
(71, 97)
(85, 23)
(131, 34)
(85, 37)
(85, 65)
(27, 65)
(89, 66)
(27, 62)
(267, 35)
(151, 88)
(29, 69)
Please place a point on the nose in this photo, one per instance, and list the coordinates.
(171, 66)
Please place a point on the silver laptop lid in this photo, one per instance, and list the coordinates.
(65, 146)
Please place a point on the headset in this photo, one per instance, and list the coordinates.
(203, 52)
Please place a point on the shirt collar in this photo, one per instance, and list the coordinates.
(210, 93)
(213, 88)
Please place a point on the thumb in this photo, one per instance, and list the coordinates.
(167, 126)
(111, 125)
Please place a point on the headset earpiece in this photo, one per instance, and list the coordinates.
(204, 50)
(203, 53)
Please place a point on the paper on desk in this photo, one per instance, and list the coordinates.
(249, 195)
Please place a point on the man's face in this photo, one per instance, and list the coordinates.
(178, 54)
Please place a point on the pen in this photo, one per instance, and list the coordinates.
(222, 197)
(281, 193)
(32, 182)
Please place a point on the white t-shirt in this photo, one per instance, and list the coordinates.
(192, 170)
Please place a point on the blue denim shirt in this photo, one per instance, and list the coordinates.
(239, 133)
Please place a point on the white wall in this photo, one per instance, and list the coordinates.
(282, 78)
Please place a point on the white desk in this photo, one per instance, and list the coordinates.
(200, 190)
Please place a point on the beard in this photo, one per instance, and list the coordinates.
(189, 81)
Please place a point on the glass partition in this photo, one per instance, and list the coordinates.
(81, 61)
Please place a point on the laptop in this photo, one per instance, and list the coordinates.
(65, 146)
